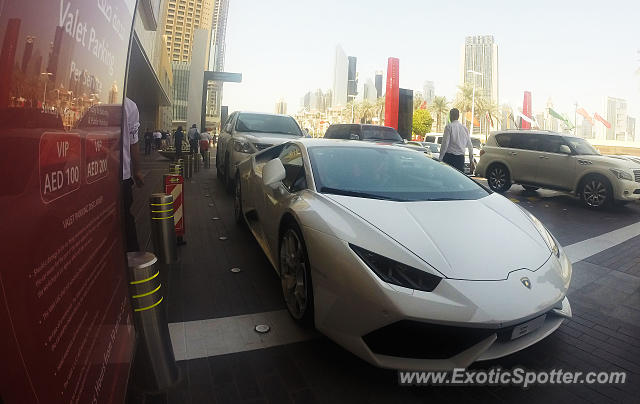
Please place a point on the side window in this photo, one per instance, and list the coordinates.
(526, 141)
(354, 132)
(504, 140)
(295, 179)
(555, 144)
(227, 125)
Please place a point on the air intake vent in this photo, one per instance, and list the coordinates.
(262, 146)
(637, 175)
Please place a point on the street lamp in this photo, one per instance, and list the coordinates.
(473, 96)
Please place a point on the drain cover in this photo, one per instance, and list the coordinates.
(262, 328)
(215, 218)
(235, 270)
(206, 195)
(223, 238)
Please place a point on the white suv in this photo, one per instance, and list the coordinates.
(246, 133)
(540, 159)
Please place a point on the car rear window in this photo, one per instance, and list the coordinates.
(337, 132)
(380, 133)
(504, 139)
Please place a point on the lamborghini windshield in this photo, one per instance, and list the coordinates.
(389, 173)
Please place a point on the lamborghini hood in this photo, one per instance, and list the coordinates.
(482, 239)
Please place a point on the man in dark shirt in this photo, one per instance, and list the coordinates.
(148, 138)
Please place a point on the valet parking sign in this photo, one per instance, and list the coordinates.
(66, 324)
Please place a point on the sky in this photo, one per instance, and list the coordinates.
(571, 51)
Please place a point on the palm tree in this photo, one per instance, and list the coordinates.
(366, 111)
(463, 100)
(488, 112)
(379, 107)
(439, 107)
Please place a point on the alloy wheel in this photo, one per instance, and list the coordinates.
(497, 178)
(595, 193)
(293, 274)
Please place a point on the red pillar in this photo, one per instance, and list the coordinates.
(526, 109)
(392, 96)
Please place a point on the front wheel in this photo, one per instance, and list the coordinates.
(596, 192)
(498, 178)
(295, 276)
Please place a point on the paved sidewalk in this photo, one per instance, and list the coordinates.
(603, 335)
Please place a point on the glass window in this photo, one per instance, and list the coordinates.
(504, 139)
(295, 179)
(553, 144)
(380, 133)
(337, 132)
(264, 123)
(581, 146)
(526, 141)
(388, 173)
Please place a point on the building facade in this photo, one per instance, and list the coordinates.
(340, 74)
(429, 92)
(617, 116)
(216, 60)
(281, 107)
(379, 84)
(480, 54)
(352, 78)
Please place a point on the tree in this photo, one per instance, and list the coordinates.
(417, 100)
(488, 112)
(365, 111)
(422, 121)
(439, 107)
(463, 100)
(379, 107)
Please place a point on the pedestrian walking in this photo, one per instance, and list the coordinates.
(157, 137)
(205, 142)
(454, 142)
(148, 139)
(194, 136)
(130, 170)
(178, 136)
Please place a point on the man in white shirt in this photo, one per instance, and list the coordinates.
(454, 142)
(130, 169)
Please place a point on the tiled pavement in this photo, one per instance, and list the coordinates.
(604, 333)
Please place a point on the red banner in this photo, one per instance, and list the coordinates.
(601, 119)
(526, 110)
(65, 321)
(392, 96)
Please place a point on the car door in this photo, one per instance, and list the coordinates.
(276, 199)
(224, 141)
(523, 156)
(557, 168)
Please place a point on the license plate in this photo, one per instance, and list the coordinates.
(528, 327)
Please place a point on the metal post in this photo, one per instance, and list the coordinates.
(163, 232)
(182, 164)
(187, 166)
(207, 159)
(196, 162)
(155, 365)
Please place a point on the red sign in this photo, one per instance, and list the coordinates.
(66, 325)
(392, 97)
(526, 110)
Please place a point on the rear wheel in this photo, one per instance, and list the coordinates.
(295, 275)
(498, 178)
(237, 202)
(596, 192)
(530, 188)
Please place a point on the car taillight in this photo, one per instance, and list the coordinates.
(481, 152)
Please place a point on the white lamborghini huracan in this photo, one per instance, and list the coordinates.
(400, 259)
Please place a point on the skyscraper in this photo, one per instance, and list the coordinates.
(378, 84)
(182, 18)
(631, 129)
(216, 58)
(340, 74)
(616, 109)
(370, 91)
(480, 54)
(429, 92)
(352, 79)
(281, 107)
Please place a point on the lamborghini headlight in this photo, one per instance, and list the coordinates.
(546, 236)
(397, 273)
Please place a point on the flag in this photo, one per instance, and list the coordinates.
(585, 114)
(556, 115)
(601, 119)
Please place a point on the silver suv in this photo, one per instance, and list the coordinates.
(246, 133)
(540, 159)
